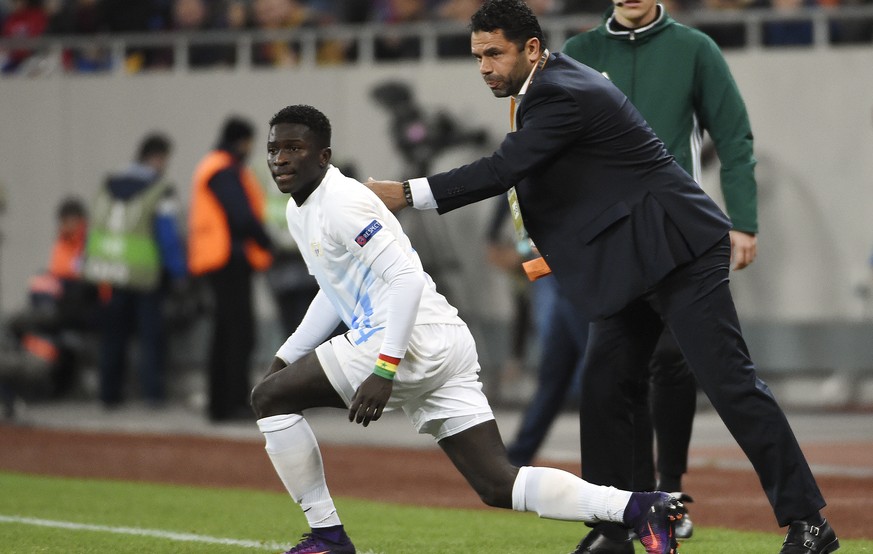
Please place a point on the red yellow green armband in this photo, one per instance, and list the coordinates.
(386, 366)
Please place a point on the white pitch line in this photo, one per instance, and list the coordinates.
(157, 533)
(832, 470)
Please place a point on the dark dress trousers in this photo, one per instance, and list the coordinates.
(635, 244)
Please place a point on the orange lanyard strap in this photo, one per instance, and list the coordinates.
(511, 195)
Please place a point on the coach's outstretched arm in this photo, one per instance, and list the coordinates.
(391, 193)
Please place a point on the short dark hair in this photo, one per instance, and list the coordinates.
(235, 129)
(155, 144)
(71, 206)
(513, 17)
(317, 122)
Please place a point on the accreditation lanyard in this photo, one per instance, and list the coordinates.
(537, 267)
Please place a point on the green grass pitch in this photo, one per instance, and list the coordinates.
(52, 514)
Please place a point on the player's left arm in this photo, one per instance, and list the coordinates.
(405, 285)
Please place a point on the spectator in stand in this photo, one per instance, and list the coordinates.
(726, 35)
(82, 17)
(393, 46)
(352, 11)
(27, 19)
(275, 15)
(236, 15)
(294, 14)
(76, 16)
(191, 16)
(791, 32)
(459, 11)
(124, 16)
(849, 30)
(336, 51)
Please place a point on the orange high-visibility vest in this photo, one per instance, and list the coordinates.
(208, 230)
(67, 252)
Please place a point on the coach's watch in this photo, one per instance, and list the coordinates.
(407, 193)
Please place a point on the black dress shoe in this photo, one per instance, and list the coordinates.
(597, 543)
(804, 538)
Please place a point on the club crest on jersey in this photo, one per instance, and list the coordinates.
(368, 232)
(316, 248)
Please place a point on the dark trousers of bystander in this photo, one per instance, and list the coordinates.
(563, 335)
(128, 312)
(233, 341)
(673, 405)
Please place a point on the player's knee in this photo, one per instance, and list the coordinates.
(265, 400)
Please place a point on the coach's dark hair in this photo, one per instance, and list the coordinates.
(513, 17)
(317, 122)
(155, 144)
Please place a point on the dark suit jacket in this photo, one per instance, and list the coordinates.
(605, 203)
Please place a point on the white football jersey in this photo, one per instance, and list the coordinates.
(341, 228)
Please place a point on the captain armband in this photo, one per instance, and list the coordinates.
(386, 366)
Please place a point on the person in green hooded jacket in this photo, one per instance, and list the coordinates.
(678, 79)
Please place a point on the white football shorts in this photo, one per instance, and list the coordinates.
(437, 383)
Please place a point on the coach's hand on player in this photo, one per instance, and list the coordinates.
(389, 192)
(370, 399)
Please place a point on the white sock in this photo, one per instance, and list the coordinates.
(558, 494)
(294, 452)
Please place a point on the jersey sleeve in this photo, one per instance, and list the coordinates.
(405, 284)
(360, 225)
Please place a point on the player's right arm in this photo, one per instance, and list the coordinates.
(315, 327)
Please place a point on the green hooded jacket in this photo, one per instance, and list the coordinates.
(678, 79)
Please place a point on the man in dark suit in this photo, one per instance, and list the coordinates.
(633, 241)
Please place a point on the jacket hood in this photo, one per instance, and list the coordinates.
(131, 182)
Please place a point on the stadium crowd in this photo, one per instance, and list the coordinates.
(84, 18)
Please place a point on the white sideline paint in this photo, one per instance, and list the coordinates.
(156, 533)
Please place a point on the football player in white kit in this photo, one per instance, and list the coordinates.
(406, 348)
